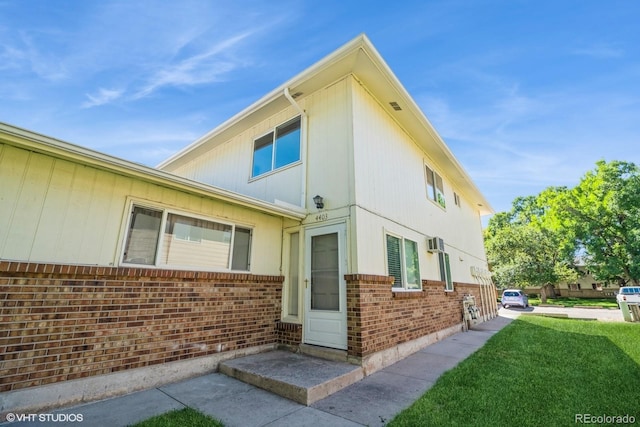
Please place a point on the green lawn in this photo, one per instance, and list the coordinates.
(538, 372)
(572, 302)
(186, 417)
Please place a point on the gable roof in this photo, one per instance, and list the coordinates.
(359, 58)
(38, 143)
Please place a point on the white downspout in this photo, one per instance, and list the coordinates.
(303, 147)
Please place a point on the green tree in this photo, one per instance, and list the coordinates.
(597, 221)
(523, 251)
(602, 215)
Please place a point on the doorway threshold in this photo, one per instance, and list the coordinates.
(324, 352)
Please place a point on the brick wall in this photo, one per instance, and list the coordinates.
(289, 334)
(61, 322)
(379, 318)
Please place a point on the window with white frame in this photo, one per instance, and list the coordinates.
(278, 148)
(187, 242)
(403, 263)
(445, 270)
(141, 245)
(435, 187)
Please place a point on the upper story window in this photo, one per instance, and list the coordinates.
(278, 148)
(159, 238)
(435, 188)
(402, 262)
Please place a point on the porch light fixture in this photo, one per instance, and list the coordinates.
(319, 202)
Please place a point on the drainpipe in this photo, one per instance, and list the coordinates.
(303, 146)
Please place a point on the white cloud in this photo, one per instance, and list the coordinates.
(521, 142)
(600, 51)
(45, 65)
(104, 96)
(22, 51)
(10, 57)
(205, 67)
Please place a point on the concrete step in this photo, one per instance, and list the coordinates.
(302, 378)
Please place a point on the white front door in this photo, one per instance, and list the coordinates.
(325, 288)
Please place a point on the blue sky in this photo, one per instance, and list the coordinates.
(527, 94)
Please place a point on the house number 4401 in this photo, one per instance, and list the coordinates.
(322, 217)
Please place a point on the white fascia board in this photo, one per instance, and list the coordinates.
(23, 138)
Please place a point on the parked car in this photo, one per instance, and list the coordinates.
(512, 297)
(628, 294)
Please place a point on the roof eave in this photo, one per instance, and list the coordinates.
(23, 138)
(276, 94)
(464, 179)
(348, 60)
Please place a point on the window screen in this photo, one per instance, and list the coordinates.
(142, 239)
(262, 154)
(241, 249)
(287, 143)
(411, 264)
(435, 187)
(394, 260)
(445, 270)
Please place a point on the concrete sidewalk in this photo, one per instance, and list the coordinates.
(373, 401)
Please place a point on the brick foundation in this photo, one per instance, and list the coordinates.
(289, 334)
(62, 322)
(379, 318)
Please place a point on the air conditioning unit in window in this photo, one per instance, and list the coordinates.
(435, 244)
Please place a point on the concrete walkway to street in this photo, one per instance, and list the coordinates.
(373, 401)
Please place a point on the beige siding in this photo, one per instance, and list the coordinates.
(372, 255)
(58, 211)
(328, 129)
(330, 152)
(390, 177)
(228, 166)
(26, 182)
(391, 195)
